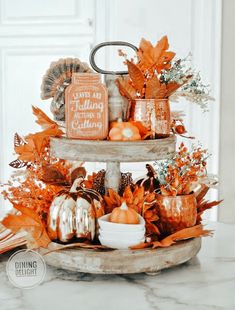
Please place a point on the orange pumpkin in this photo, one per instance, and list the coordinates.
(124, 131)
(124, 215)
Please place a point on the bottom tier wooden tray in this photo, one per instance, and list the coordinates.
(122, 261)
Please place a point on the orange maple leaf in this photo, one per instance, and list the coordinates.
(36, 143)
(42, 119)
(155, 57)
(28, 220)
(26, 152)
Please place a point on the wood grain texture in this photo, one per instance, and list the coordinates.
(112, 151)
(122, 261)
(112, 176)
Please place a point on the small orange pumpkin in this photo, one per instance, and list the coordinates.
(124, 215)
(124, 131)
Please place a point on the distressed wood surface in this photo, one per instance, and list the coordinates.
(123, 261)
(112, 176)
(112, 151)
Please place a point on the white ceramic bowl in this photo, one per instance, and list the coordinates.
(119, 244)
(122, 234)
(116, 227)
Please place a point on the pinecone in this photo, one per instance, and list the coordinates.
(126, 179)
(98, 182)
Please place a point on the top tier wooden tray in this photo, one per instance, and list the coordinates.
(112, 151)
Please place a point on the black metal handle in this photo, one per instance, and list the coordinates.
(111, 43)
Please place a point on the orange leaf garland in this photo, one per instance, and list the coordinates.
(28, 220)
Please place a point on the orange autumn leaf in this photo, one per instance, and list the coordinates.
(155, 57)
(28, 220)
(138, 195)
(152, 229)
(153, 87)
(114, 196)
(125, 88)
(144, 132)
(42, 119)
(205, 205)
(36, 143)
(88, 183)
(142, 129)
(164, 62)
(161, 92)
(42, 138)
(161, 46)
(136, 76)
(27, 151)
(186, 233)
(128, 195)
(141, 246)
(172, 87)
(112, 200)
(201, 193)
(146, 53)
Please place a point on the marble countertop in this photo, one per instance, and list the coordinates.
(206, 282)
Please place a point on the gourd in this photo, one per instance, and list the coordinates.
(73, 213)
(150, 182)
(124, 131)
(124, 215)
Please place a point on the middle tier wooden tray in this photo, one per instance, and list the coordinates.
(112, 151)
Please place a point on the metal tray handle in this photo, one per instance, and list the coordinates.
(110, 43)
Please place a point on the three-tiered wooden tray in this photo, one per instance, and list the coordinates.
(118, 261)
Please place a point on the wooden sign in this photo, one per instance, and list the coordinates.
(86, 102)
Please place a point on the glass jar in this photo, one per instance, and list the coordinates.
(86, 107)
